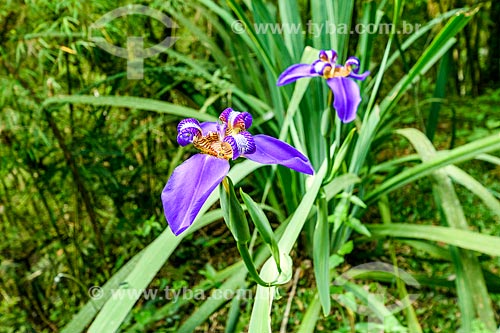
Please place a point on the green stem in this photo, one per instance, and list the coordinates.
(252, 270)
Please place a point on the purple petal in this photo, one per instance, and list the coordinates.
(225, 114)
(236, 119)
(295, 72)
(359, 76)
(187, 130)
(209, 127)
(352, 62)
(241, 143)
(240, 120)
(273, 151)
(319, 66)
(189, 187)
(346, 97)
(328, 55)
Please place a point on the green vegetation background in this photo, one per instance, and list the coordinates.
(80, 183)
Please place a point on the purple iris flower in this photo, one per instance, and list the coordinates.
(192, 182)
(345, 91)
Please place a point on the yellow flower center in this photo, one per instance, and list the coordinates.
(211, 144)
(330, 72)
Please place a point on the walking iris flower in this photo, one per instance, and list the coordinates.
(345, 91)
(192, 182)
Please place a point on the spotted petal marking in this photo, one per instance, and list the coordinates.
(212, 145)
(236, 121)
(224, 116)
(241, 143)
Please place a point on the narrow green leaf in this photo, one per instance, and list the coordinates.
(322, 12)
(130, 103)
(341, 15)
(439, 93)
(434, 250)
(215, 301)
(422, 30)
(234, 216)
(358, 226)
(177, 301)
(411, 317)
(208, 41)
(442, 159)
(375, 306)
(308, 323)
(439, 45)
(339, 184)
(489, 158)
(308, 56)
(290, 16)
(364, 141)
(340, 156)
(462, 238)
(257, 43)
(321, 254)
(114, 311)
(233, 315)
(249, 263)
(365, 44)
(465, 299)
(463, 178)
(263, 226)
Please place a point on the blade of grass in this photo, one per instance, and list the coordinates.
(256, 41)
(290, 16)
(365, 44)
(421, 32)
(321, 254)
(463, 178)
(444, 69)
(308, 323)
(321, 13)
(130, 102)
(373, 303)
(342, 16)
(489, 158)
(464, 239)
